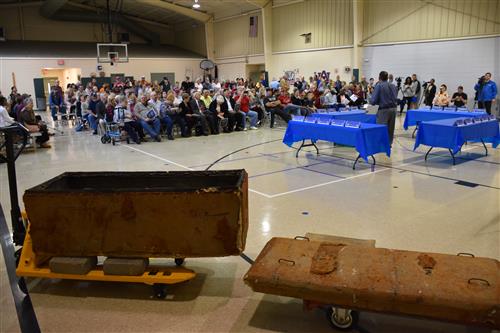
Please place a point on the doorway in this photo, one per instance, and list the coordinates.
(64, 75)
(42, 85)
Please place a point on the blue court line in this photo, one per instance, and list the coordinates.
(321, 172)
(239, 159)
(282, 170)
(269, 155)
(303, 167)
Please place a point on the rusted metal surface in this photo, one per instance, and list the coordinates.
(439, 286)
(140, 214)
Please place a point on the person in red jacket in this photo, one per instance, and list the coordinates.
(286, 103)
(243, 100)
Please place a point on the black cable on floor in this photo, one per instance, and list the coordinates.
(237, 151)
(24, 308)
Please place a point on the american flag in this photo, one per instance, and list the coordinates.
(253, 26)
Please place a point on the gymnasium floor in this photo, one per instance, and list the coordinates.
(404, 203)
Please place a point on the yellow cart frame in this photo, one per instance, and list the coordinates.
(157, 276)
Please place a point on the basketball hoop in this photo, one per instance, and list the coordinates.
(112, 53)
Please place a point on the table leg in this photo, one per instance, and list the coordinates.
(452, 155)
(302, 145)
(306, 145)
(427, 154)
(356, 161)
(484, 145)
(414, 131)
(317, 150)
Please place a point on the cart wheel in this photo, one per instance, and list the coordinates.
(342, 319)
(22, 285)
(113, 142)
(160, 290)
(104, 139)
(128, 141)
(179, 261)
(108, 139)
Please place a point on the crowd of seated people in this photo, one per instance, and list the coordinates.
(17, 109)
(150, 109)
(206, 107)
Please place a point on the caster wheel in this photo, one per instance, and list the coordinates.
(160, 291)
(342, 319)
(22, 285)
(113, 142)
(179, 261)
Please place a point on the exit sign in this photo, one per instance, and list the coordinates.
(60, 62)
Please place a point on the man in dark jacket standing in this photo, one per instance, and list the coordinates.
(384, 95)
(430, 93)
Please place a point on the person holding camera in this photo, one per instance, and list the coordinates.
(486, 92)
(243, 100)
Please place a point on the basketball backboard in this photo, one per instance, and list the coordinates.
(112, 53)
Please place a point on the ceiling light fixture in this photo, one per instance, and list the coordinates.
(196, 5)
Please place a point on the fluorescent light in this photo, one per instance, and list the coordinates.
(196, 5)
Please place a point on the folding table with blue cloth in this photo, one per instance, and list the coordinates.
(415, 117)
(355, 115)
(444, 134)
(368, 139)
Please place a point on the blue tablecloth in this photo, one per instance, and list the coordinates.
(358, 115)
(368, 140)
(442, 133)
(416, 116)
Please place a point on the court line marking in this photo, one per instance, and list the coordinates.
(327, 183)
(353, 177)
(272, 196)
(158, 157)
(304, 167)
(182, 166)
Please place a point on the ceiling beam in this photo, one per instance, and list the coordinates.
(258, 3)
(194, 14)
(131, 17)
